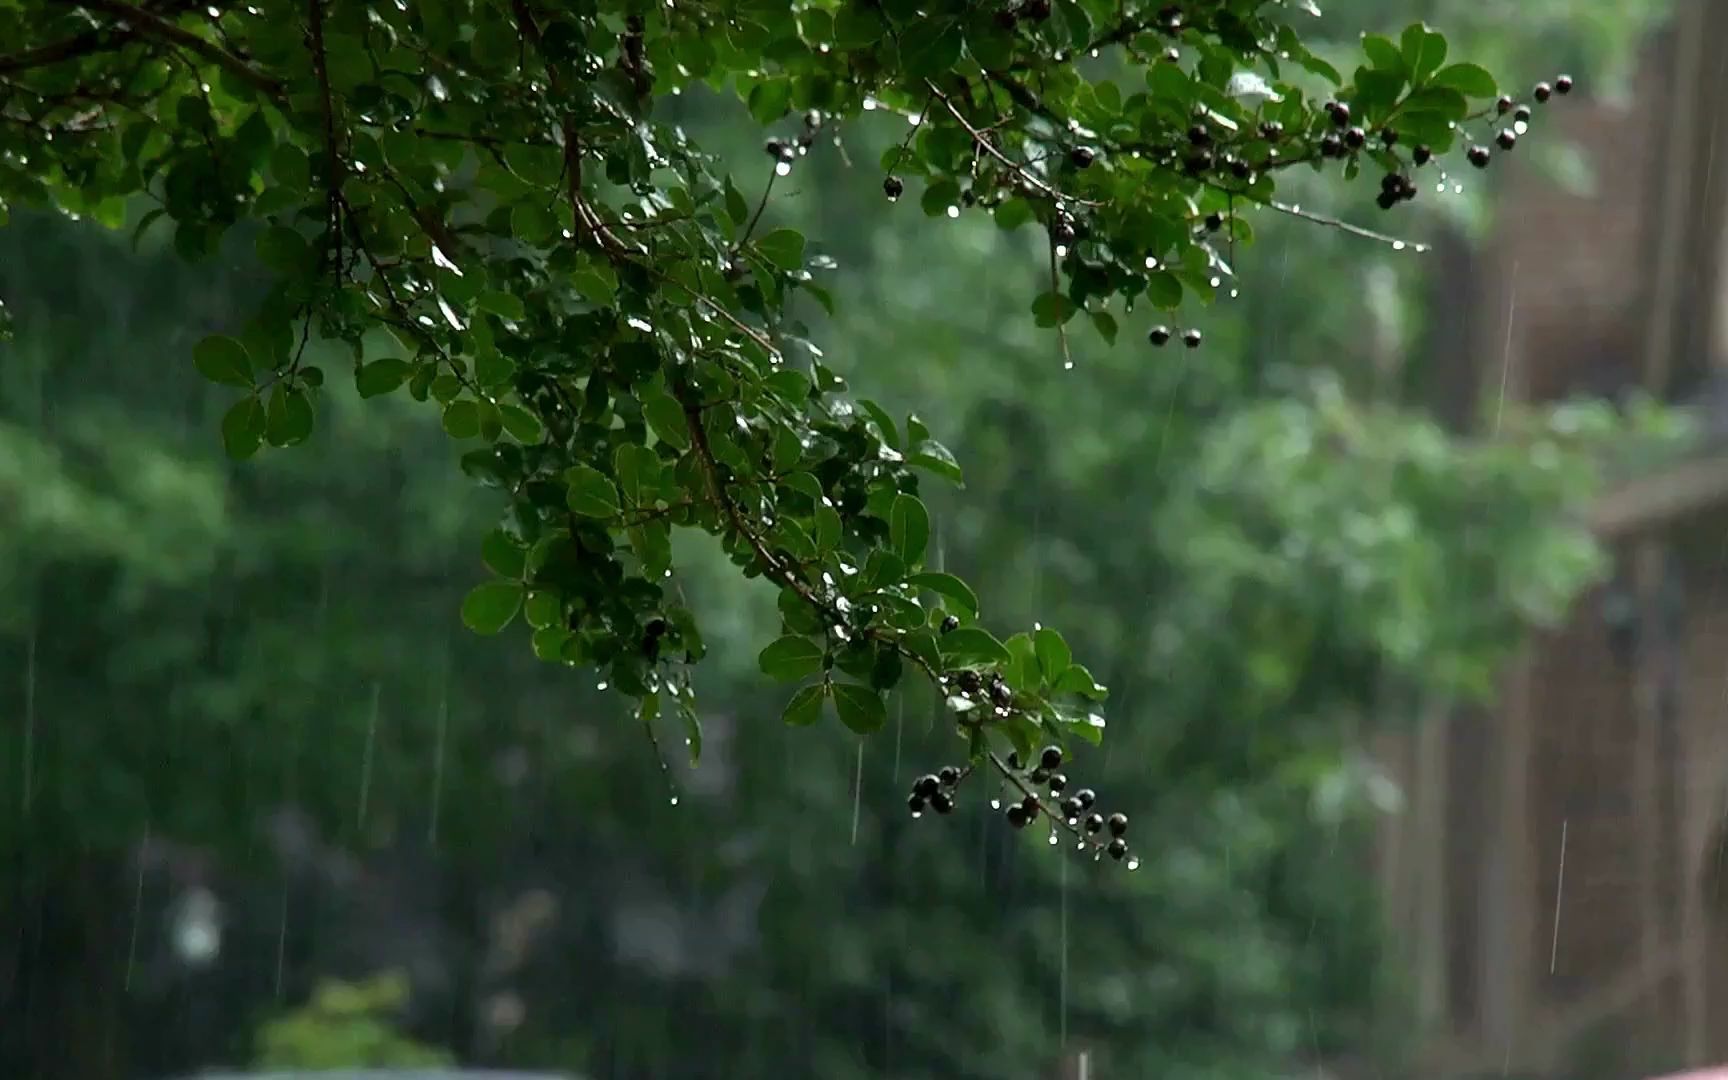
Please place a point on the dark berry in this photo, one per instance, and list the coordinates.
(1036, 10)
(1355, 137)
(1199, 136)
(926, 786)
(1191, 338)
(1563, 84)
(1521, 114)
(1094, 822)
(1479, 156)
(1014, 760)
(1408, 190)
(774, 148)
(1507, 138)
(1081, 156)
(1422, 155)
(1171, 16)
(1542, 91)
(1388, 137)
(1271, 131)
(1040, 777)
(1503, 105)
(1030, 805)
(1198, 163)
(971, 682)
(812, 119)
(1118, 824)
(948, 775)
(1051, 758)
(1158, 335)
(1391, 182)
(1331, 146)
(950, 624)
(915, 803)
(1386, 200)
(1118, 848)
(806, 140)
(1017, 816)
(1071, 808)
(969, 197)
(1214, 221)
(1087, 797)
(1057, 783)
(1002, 693)
(942, 802)
(1062, 232)
(893, 188)
(1239, 168)
(1172, 55)
(1006, 19)
(1340, 113)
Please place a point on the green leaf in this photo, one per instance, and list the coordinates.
(909, 528)
(1164, 290)
(791, 658)
(1468, 79)
(1423, 49)
(590, 493)
(860, 708)
(930, 46)
(381, 376)
(243, 428)
(1383, 54)
(1088, 726)
(932, 456)
(770, 99)
(542, 609)
(805, 708)
(522, 425)
(1053, 309)
(283, 250)
(288, 421)
(972, 645)
(1078, 680)
(500, 551)
(1054, 656)
(223, 360)
(666, 419)
(1022, 669)
(784, 248)
(692, 729)
(1013, 213)
(638, 470)
(961, 599)
(503, 304)
(462, 419)
(828, 529)
(489, 607)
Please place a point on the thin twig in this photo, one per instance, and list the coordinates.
(157, 26)
(988, 147)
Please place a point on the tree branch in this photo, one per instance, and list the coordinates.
(146, 22)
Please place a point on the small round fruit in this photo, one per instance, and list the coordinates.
(1191, 338)
(1118, 824)
(1355, 137)
(1422, 155)
(1006, 19)
(1240, 169)
(1386, 200)
(1563, 84)
(1057, 783)
(942, 802)
(1094, 822)
(1017, 816)
(1071, 808)
(1214, 221)
(774, 148)
(926, 786)
(1339, 112)
(1087, 797)
(1040, 777)
(1388, 137)
(1002, 693)
(1118, 848)
(948, 775)
(1014, 760)
(1507, 138)
(1331, 146)
(1503, 104)
(1521, 114)
(1542, 91)
(1036, 10)
(1479, 156)
(1051, 758)
(893, 187)
(1062, 231)
(971, 682)
(1198, 163)
(915, 803)
(950, 624)
(1081, 157)
(1030, 805)
(1199, 136)
(1158, 335)
(1271, 131)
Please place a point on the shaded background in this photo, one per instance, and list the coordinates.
(263, 801)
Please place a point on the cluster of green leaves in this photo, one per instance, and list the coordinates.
(345, 1025)
(477, 198)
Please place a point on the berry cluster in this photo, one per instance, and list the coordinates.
(785, 152)
(1077, 810)
(935, 790)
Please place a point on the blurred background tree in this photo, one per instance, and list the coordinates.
(248, 681)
